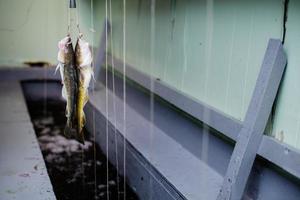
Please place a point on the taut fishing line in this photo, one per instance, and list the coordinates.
(93, 113)
(152, 97)
(77, 18)
(124, 95)
(69, 20)
(106, 102)
(228, 75)
(114, 94)
(45, 72)
(185, 59)
(152, 47)
(247, 65)
(82, 149)
(208, 56)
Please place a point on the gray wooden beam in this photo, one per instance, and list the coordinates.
(251, 134)
(282, 155)
(28, 73)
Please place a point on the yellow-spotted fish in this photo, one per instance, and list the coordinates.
(84, 59)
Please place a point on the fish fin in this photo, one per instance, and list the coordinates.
(60, 67)
(64, 92)
(66, 112)
(80, 131)
(68, 130)
(83, 119)
(86, 99)
(93, 75)
(81, 122)
(57, 67)
(80, 136)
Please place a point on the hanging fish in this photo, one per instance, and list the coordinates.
(84, 59)
(68, 72)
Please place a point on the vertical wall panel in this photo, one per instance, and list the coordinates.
(210, 50)
(287, 117)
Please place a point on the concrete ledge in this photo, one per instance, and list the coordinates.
(170, 167)
(28, 73)
(23, 174)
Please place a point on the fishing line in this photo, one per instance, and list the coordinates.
(114, 94)
(152, 46)
(228, 78)
(185, 60)
(106, 100)
(77, 17)
(208, 53)
(92, 29)
(44, 70)
(124, 94)
(82, 145)
(69, 20)
(169, 45)
(209, 39)
(45, 73)
(95, 161)
(82, 167)
(93, 113)
(247, 66)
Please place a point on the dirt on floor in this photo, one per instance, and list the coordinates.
(76, 171)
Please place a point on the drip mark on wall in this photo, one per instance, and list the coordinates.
(173, 14)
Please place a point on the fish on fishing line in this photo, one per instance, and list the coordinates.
(76, 73)
(83, 59)
(68, 72)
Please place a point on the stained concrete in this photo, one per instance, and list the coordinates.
(23, 174)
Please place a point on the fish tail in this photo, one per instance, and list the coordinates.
(80, 137)
(68, 130)
(81, 123)
(80, 117)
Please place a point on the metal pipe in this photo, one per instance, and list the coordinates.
(72, 3)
